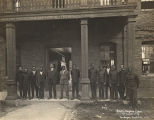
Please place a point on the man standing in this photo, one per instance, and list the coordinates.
(107, 86)
(33, 82)
(121, 81)
(101, 81)
(64, 81)
(93, 80)
(52, 77)
(75, 81)
(26, 83)
(113, 82)
(40, 82)
(19, 79)
(132, 83)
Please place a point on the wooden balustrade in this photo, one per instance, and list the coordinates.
(35, 5)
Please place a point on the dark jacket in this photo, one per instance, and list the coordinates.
(113, 77)
(132, 81)
(19, 77)
(26, 78)
(40, 78)
(52, 76)
(102, 76)
(33, 77)
(122, 76)
(75, 75)
(93, 75)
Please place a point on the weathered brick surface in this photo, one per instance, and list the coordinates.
(144, 32)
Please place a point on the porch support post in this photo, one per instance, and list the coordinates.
(84, 60)
(11, 61)
(131, 39)
(125, 46)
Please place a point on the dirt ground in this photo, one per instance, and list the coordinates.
(107, 110)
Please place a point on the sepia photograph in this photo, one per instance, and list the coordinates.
(76, 59)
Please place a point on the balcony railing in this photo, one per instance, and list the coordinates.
(39, 5)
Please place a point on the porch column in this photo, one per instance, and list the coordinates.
(125, 46)
(131, 40)
(84, 60)
(11, 61)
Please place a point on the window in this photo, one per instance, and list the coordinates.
(108, 54)
(148, 57)
(147, 4)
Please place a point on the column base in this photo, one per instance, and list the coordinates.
(85, 89)
(11, 90)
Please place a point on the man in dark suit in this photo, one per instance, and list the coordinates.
(101, 81)
(132, 83)
(64, 81)
(75, 81)
(52, 77)
(113, 82)
(26, 82)
(107, 86)
(93, 80)
(40, 82)
(19, 79)
(121, 81)
(34, 86)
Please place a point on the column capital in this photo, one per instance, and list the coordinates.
(10, 25)
(131, 19)
(84, 22)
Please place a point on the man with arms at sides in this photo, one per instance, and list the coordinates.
(107, 86)
(19, 79)
(113, 82)
(52, 77)
(132, 83)
(40, 82)
(34, 86)
(121, 81)
(26, 82)
(101, 81)
(93, 80)
(64, 82)
(75, 81)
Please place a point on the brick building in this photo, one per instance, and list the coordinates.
(84, 32)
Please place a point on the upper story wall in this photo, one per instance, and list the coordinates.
(22, 10)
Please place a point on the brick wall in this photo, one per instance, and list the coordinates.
(144, 32)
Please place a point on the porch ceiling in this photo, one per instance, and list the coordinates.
(111, 11)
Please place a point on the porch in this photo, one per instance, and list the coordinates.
(81, 35)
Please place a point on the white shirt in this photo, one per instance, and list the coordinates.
(41, 72)
(34, 72)
(108, 70)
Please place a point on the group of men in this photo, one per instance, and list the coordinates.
(30, 82)
(34, 81)
(108, 79)
(111, 82)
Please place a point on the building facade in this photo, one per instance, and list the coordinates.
(96, 31)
